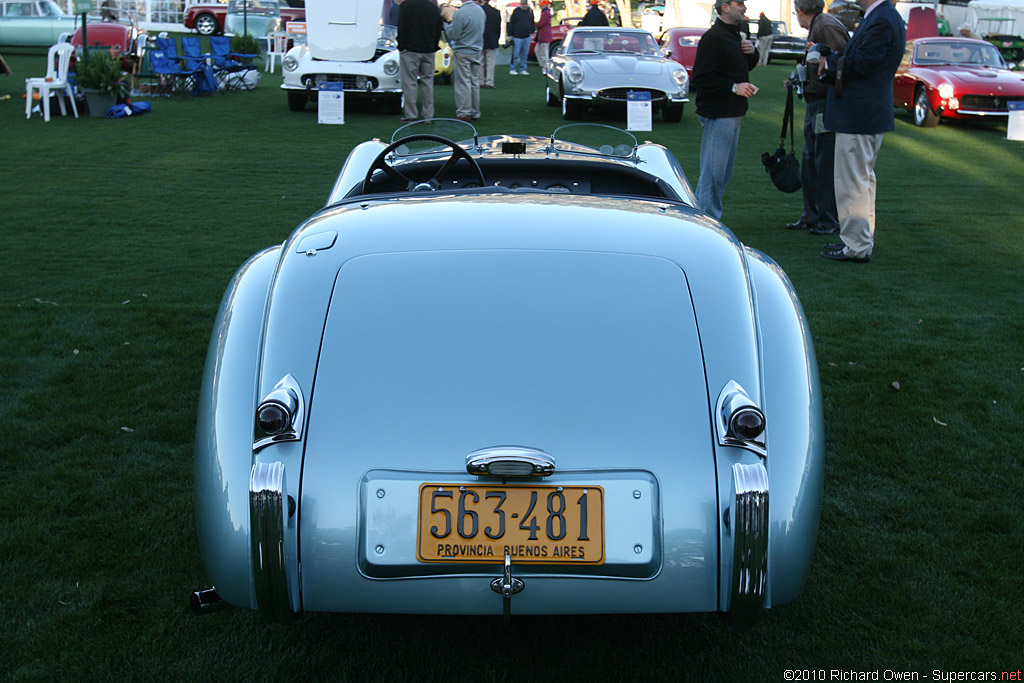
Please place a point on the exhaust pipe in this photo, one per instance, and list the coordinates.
(206, 602)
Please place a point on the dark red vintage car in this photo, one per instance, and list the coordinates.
(207, 18)
(954, 78)
(122, 40)
(680, 45)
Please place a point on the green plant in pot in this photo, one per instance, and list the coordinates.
(99, 76)
(245, 44)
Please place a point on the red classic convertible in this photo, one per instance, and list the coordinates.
(680, 44)
(954, 78)
(207, 19)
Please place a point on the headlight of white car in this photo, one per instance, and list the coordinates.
(680, 77)
(390, 66)
(574, 72)
(290, 63)
(946, 91)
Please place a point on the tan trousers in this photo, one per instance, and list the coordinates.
(543, 53)
(487, 58)
(467, 83)
(764, 48)
(417, 68)
(855, 190)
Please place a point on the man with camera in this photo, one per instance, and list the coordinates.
(859, 108)
(828, 34)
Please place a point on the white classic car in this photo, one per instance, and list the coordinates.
(375, 78)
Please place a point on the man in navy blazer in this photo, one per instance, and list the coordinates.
(859, 108)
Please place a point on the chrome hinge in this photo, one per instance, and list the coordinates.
(507, 586)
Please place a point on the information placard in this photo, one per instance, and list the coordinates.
(638, 110)
(331, 103)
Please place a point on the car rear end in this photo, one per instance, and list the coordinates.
(488, 414)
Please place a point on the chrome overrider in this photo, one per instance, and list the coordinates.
(749, 526)
(268, 516)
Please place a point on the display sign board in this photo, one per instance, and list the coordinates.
(330, 103)
(638, 110)
(1015, 126)
(84, 6)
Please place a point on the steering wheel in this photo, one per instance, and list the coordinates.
(434, 183)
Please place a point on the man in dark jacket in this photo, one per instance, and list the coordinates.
(721, 73)
(520, 28)
(419, 30)
(594, 16)
(492, 36)
(816, 174)
(765, 32)
(859, 108)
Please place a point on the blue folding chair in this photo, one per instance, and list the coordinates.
(230, 71)
(195, 60)
(192, 53)
(169, 47)
(171, 77)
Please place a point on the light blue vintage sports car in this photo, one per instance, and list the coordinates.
(509, 374)
(33, 23)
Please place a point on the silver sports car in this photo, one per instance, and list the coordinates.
(509, 374)
(600, 66)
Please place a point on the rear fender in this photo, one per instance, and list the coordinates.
(792, 405)
(224, 457)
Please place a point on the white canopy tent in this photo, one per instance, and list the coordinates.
(980, 12)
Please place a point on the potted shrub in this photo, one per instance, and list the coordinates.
(245, 47)
(99, 76)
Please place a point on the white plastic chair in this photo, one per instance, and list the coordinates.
(276, 48)
(57, 61)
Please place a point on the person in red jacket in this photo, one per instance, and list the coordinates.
(543, 47)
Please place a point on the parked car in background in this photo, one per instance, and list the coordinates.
(33, 23)
(680, 45)
(121, 40)
(255, 17)
(784, 45)
(955, 78)
(598, 66)
(514, 374)
(207, 19)
(376, 78)
(443, 64)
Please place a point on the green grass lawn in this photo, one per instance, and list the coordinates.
(118, 238)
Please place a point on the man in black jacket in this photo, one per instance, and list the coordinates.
(594, 15)
(721, 73)
(419, 30)
(492, 37)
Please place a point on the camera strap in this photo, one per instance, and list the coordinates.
(787, 121)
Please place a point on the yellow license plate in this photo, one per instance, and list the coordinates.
(532, 524)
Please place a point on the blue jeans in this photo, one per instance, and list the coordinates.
(718, 145)
(520, 51)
